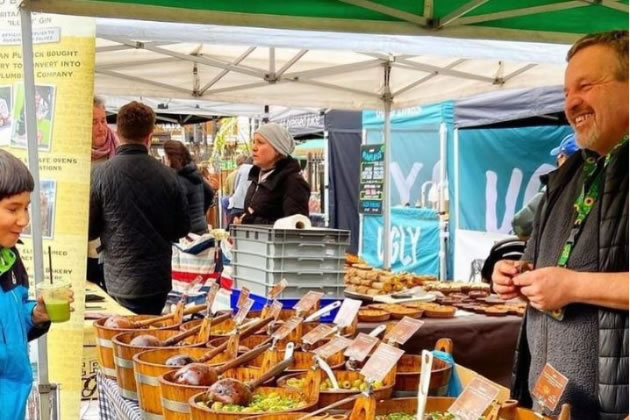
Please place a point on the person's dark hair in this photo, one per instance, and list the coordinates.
(177, 153)
(135, 121)
(617, 40)
(15, 177)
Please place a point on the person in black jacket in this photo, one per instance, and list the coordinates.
(277, 188)
(138, 209)
(577, 319)
(198, 192)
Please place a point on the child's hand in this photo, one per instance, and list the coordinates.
(39, 315)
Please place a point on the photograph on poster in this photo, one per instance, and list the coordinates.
(5, 115)
(44, 109)
(47, 194)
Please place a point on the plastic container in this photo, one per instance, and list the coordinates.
(56, 298)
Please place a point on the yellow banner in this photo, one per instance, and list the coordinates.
(64, 79)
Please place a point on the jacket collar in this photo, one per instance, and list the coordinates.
(132, 149)
(283, 168)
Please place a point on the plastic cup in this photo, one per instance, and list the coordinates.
(57, 299)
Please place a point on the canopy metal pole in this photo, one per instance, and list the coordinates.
(441, 197)
(387, 104)
(326, 208)
(36, 220)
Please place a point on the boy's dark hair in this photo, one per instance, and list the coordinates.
(177, 153)
(15, 177)
(135, 121)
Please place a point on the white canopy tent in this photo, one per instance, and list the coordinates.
(310, 69)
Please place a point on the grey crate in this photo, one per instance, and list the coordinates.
(286, 263)
(296, 289)
(265, 233)
(293, 250)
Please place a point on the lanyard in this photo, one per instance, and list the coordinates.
(593, 174)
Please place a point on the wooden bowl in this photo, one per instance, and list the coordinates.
(200, 411)
(373, 315)
(331, 396)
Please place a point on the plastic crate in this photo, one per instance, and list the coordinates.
(266, 233)
(324, 282)
(283, 264)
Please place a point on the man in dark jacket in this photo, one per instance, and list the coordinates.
(577, 319)
(138, 209)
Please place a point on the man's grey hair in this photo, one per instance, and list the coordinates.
(616, 40)
(99, 102)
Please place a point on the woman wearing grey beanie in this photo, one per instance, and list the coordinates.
(277, 188)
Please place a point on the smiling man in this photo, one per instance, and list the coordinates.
(577, 319)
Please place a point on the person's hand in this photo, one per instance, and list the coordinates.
(547, 289)
(238, 220)
(40, 315)
(214, 182)
(502, 275)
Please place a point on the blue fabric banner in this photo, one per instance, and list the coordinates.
(499, 171)
(415, 240)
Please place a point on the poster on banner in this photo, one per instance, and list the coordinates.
(414, 240)
(371, 179)
(415, 150)
(64, 50)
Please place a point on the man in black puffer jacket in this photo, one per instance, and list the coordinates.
(138, 209)
(577, 320)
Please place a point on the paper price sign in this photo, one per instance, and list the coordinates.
(243, 310)
(361, 347)
(347, 312)
(278, 288)
(212, 295)
(286, 328)
(404, 330)
(474, 400)
(334, 346)
(308, 302)
(549, 387)
(382, 361)
(243, 297)
(276, 308)
(316, 334)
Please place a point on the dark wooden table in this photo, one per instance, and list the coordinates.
(482, 343)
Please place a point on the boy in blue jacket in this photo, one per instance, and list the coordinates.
(21, 319)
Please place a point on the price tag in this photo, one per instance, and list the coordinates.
(474, 400)
(212, 295)
(347, 312)
(317, 333)
(243, 297)
(334, 346)
(361, 347)
(243, 310)
(308, 302)
(404, 330)
(382, 361)
(278, 288)
(286, 328)
(549, 387)
(274, 312)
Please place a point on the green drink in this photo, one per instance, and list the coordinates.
(58, 310)
(57, 300)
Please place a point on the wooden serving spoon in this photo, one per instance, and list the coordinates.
(201, 374)
(146, 340)
(233, 391)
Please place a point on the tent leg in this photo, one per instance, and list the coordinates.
(441, 197)
(387, 223)
(36, 223)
